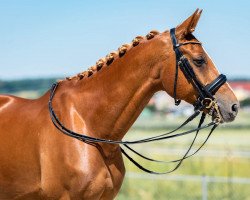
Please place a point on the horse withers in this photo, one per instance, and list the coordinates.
(38, 162)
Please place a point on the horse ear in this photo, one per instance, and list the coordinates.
(188, 26)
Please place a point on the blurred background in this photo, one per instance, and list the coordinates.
(42, 41)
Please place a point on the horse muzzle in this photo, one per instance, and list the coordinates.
(228, 110)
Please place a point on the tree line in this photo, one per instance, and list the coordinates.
(15, 86)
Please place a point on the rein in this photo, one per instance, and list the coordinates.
(205, 100)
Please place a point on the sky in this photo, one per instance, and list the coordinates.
(60, 38)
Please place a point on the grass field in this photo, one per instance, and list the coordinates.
(226, 155)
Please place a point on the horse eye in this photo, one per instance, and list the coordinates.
(199, 62)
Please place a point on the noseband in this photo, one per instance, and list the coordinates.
(206, 93)
(205, 101)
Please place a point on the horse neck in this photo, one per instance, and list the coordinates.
(111, 100)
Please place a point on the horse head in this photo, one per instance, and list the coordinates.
(202, 68)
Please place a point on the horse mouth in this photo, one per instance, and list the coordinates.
(217, 113)
(217, 117)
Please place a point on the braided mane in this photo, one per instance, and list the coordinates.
(112, 56)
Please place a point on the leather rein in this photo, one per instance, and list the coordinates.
(205, 100)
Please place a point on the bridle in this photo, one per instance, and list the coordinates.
(206, 93)
(205, 100)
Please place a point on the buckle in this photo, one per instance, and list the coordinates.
(181, 60)
(177, 46)
(208, 103)
(213, 109)
(217, 120)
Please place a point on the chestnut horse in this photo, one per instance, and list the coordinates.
(37, 161)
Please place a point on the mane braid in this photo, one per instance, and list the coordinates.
(106, 61)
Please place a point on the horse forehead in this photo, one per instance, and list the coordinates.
(193, 49)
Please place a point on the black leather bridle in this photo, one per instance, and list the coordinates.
(206, 93)
(205, 100)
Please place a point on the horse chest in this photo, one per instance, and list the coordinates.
(102, 176)
(82, 174)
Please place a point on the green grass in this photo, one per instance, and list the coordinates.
(227, 154)
(178, 190)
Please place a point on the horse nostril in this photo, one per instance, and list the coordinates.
(235, 108)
